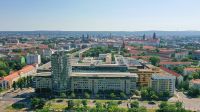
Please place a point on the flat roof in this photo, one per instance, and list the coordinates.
(108, 74)
(42, 74)
(163, 76)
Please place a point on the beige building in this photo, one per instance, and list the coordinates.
(144, 75)
(95, 82)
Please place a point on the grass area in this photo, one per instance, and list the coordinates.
(151, 110)
(55, 106)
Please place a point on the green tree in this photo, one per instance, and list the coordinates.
(71, 104)
(123, 95)
(2, 73)
(112, 95)
(84, 102)
(98, 105)
(86, 95)
(72, 95)
(154, 60)
(37, 103)
(135, 104)
(14, 85)
(63, 95)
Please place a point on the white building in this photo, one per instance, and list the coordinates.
(163, 83)
(47, 52)
(33, 59)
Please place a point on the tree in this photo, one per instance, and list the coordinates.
(63, 95)
(122, 95)
(112, 95)
(71, 104)
(2, 73)
(179, 104)
(98, 105)
(193, 92)
(135, 104)
(72, 95)
(84, 102)
(37, 103)
(86, 95)
(14, 85)
(154, 60)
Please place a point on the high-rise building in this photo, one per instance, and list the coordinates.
(154, 35)
(144, 37)
(61, 70)
(33, 59)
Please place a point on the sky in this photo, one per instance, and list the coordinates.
(99, 15)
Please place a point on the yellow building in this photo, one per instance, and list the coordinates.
(144, 75)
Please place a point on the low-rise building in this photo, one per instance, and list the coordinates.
(173, 64)
(195, 83)
(190, 70)
(181, 55)
(7, 81)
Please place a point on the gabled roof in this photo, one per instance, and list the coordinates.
(16, 74)
(170, 71)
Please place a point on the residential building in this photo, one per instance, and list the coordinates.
(196, 54)
(173, 64)
(181, 55)
(179, 77)
(33, 59)
(163, 83)
(195, 83)
(190, 70)
(7, 81)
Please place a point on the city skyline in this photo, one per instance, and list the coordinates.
(113, 15)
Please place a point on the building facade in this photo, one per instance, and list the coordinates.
(163, 83)
(61, 69)
(33, 59)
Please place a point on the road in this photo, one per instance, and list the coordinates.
(15, 96)
(189, 103)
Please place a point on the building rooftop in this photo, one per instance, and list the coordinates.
(162, 76)
(170, 71)
(191, 69)
(196, 81)
(43, 74)
(108, 74)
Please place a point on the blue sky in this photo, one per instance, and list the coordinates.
(99, 15)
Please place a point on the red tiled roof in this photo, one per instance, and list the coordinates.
(170, 71)
(16, 74)
(26, 69)
(149, 47)
(11, 76)
(191, 69)
(196, 81)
